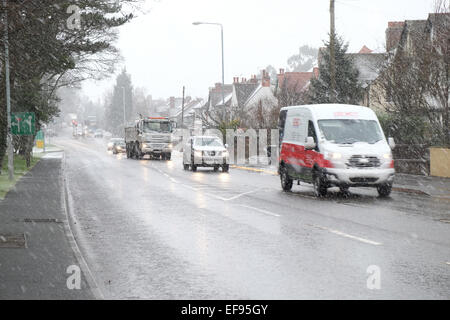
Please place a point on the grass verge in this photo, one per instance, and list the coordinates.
(20, 168)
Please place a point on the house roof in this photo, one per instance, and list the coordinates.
(244, 91)
(296, 81)
(215, 95)
(368, 65)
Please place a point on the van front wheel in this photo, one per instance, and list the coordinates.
(286, 181)
(320, 187)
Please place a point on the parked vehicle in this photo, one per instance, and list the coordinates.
(334, 145)
(149, 136)
(205, 151)
(98, 133)
(119, 146)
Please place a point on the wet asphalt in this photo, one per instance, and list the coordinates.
(150, 230)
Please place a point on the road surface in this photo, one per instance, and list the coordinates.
(150, 230)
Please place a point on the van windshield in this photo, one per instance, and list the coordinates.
(349, 131)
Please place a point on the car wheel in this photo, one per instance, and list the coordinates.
(185, 166)
(216, 168)
(320, 187)
(384, 190)
(225, 168)
(194, 167)
(286, 181)
(344, 189)
(168, 156)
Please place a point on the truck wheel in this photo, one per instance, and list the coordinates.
(194, 167)
(319, 184)
(286, 181)
(384, 190)
(225, 168)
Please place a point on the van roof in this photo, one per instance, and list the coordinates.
(333, 111)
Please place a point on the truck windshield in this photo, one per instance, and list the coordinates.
(349, 131)
(149, 126)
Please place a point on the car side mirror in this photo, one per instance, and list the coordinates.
(391, 142)
(309, 143)
(226, 145)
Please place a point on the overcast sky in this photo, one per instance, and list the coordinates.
(163, 51)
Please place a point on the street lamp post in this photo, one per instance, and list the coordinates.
(8, 97)
(223, 68)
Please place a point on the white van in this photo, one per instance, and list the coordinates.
(334, 145)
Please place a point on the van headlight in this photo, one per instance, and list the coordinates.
(170, 146)
(387, 156)
(333, 155)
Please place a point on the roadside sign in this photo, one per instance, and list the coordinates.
(40, 139)
(23, 123)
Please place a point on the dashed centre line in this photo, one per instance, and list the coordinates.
(346, 235)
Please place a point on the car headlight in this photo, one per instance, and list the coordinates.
(225, 153)
(197, 153)
(387, 156)
(144, 145)
(333, 155)
(170, 146)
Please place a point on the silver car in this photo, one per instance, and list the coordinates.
(205, 151)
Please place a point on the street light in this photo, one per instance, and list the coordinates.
(221, 36)
(8, 96)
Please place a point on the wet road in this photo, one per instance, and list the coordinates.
(150, 230)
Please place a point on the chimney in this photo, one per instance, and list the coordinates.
(393, 34)
(281, 71)
(265, 79)
(172, 102)
(235, 79)
(316, 72)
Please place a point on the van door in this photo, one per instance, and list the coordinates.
(310, 155)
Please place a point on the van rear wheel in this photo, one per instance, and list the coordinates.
(286, 181)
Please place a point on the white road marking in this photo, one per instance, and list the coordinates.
(343, 234)
(260, 210)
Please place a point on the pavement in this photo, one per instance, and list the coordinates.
(34, 264)
(147, 229)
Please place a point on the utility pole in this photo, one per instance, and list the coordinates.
(182, 111)
(332, 54)
(8, 97)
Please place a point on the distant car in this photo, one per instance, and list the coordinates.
(119, 146)
(98, 133)
(205, 151)
(112, 141)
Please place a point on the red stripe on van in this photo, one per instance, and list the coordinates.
(297, 155)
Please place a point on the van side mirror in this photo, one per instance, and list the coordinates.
(391, 142)
(309, 143)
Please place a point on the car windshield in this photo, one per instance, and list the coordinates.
(208, 142)
(152, 126)
(349, 131)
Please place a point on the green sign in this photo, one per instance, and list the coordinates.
(23, 123)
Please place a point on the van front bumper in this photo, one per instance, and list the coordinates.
(359, 177)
